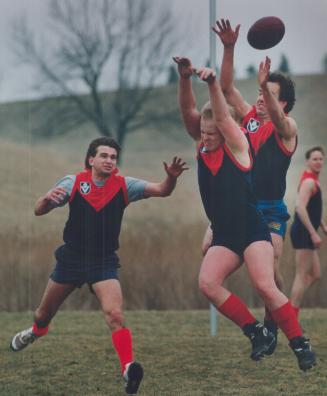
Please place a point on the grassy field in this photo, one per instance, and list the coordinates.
(179, 356)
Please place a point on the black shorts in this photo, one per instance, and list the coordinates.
(300, 238)
(75, 268)
(238, 242)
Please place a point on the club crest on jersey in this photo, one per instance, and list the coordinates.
(253, 125)
(85, 187)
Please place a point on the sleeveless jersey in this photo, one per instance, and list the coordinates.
(95, 215)
(314, 206)
(228, 199)
(271, 158)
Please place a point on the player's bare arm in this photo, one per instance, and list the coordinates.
(234, 137)
(187, 103)
(228, 36)
(49, 201)
(285, 126)
(165, 188)
(305, 192)
(323, 226)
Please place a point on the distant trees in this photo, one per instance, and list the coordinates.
(172, 74)
(324, 64)
(251, 71)
(124, 40)
(284, 65)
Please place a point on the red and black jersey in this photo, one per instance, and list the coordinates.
(228, 198)
(95, 215)
(314, 206)
(271, 158)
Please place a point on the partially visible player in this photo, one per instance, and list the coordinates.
(239, 232)
(273, 138)
(97, 199)
(307, 219)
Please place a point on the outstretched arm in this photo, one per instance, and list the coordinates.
(228, 37)
(285, 126)
(165, 188)
(302, 200)
(187, 103)
(49, 201)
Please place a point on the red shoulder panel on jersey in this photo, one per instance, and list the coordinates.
(98, 197)
(309, 175)
(212, 159)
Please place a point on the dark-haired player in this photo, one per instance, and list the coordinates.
(239, 231)
(308, 218)
(97, 199)
(273, 138)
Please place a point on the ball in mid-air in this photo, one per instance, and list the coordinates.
(266, 32)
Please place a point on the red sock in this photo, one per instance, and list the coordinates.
(122, 342)
(234, 309)
(297, 311)
(40, 331)
(286, 319)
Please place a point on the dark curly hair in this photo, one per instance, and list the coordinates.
(287, 89)
(310, 151)
(101, 141)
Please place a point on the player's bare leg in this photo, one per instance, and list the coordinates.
(53, 296)
(110, 297)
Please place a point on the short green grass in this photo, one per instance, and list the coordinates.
(178, 354)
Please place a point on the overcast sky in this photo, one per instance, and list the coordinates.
(304, 42)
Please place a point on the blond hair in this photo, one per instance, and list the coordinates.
(206, 111)
(207, 114)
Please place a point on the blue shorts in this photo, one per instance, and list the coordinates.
(275, 215)
(75, 268)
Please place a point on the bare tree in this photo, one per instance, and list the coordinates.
(90, 43)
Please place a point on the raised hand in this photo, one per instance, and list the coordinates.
(224, 31)
(206, 74)
(185, 68)
(264, 70)
(176, 167)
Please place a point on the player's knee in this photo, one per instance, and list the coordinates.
(206, 285)
(114, 316)
(265, 289)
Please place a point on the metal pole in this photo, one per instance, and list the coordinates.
(212, 38)
(212, 59)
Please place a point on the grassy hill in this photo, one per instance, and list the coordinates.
(160, 237)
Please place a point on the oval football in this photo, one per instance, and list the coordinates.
(266, 32)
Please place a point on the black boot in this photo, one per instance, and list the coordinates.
(261, 339)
